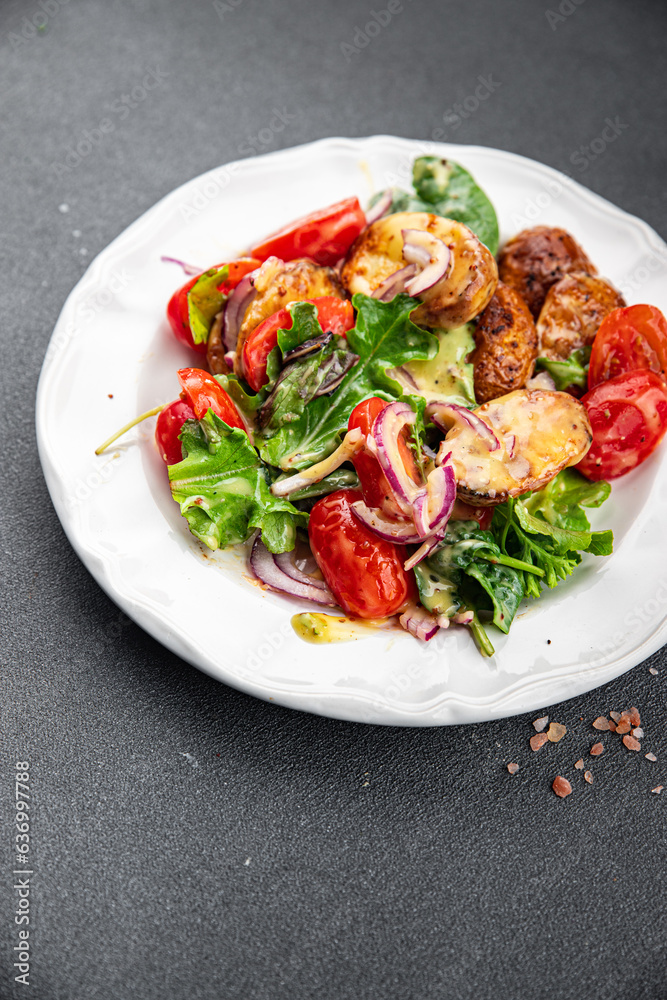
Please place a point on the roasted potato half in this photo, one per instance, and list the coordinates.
(535, 259)
(539, 433)
(505, 345)
(572, 312)
(278, 283)
(460, 296)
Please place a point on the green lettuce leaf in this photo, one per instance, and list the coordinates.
(384, 337)
(573, 371)
(223, 491)
(205, 301)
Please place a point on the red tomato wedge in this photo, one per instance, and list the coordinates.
(169, 423)
(628, 414)
(364, 573)
(324, 236)
(629, 338)
(374, 485)
(202, 392)
(333, 314)
(178, 309)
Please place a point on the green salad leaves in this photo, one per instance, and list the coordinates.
(446, 188)
(223, 490)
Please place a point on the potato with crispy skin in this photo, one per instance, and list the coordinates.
(457, 298)
(535, 259)
(505, 345)
(572, 312)
(278, 283)
(538, 434)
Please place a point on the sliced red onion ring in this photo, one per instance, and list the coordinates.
(510, 444)
(418, 622)
(395, 283)
(445, 415)
(431, 255)
(285, 563)
(402, 533)
(237, 303)
(424, 550)
(432, 509)
(187, 268)
(230, 358)
(463, 617)
(380, 208)
(387, 426)
(265, 567)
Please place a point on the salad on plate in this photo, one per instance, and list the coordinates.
(401, 421)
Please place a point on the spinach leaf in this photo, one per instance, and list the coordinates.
(383, 338)
(573, 371)
(549, 529)
(446, 188)
(223, 489)
(205, 300)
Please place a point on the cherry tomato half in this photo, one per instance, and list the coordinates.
(364, 573)
(374, 484)
(324, 236)
(628, 414)
(178, 309)
(203, 393)
(333, 314)
(629, 338)
(169, 423)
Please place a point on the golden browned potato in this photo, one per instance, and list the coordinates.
(505, 345)
(535, 259)
(539, 433)
(278, 283)
(572, 312)
(460, 296)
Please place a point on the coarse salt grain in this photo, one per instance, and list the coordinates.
(597, 749)
(623, 726)
(601, 723)
(537, 741)
(580, 764)
(556, 732)
(653, 671)
(638, 732)
(616, 716)
(539, 725)
(657, 789)
(631, 743)
(588, 775)
(635, 717)
(512, 768)
(650, 756)
(561, 786)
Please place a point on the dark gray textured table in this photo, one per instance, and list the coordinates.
(188, 841)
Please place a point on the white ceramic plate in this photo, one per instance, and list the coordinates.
(112, 340)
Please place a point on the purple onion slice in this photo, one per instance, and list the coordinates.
(386, 429)
(285, 563)
(237, 303)
(392, 531)
(431, 255)
(266, 569)
(433, 508)
(380, 208)
(418, 622)
(395, 283)
(446, 415)
(189, 269)
(424, 550)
